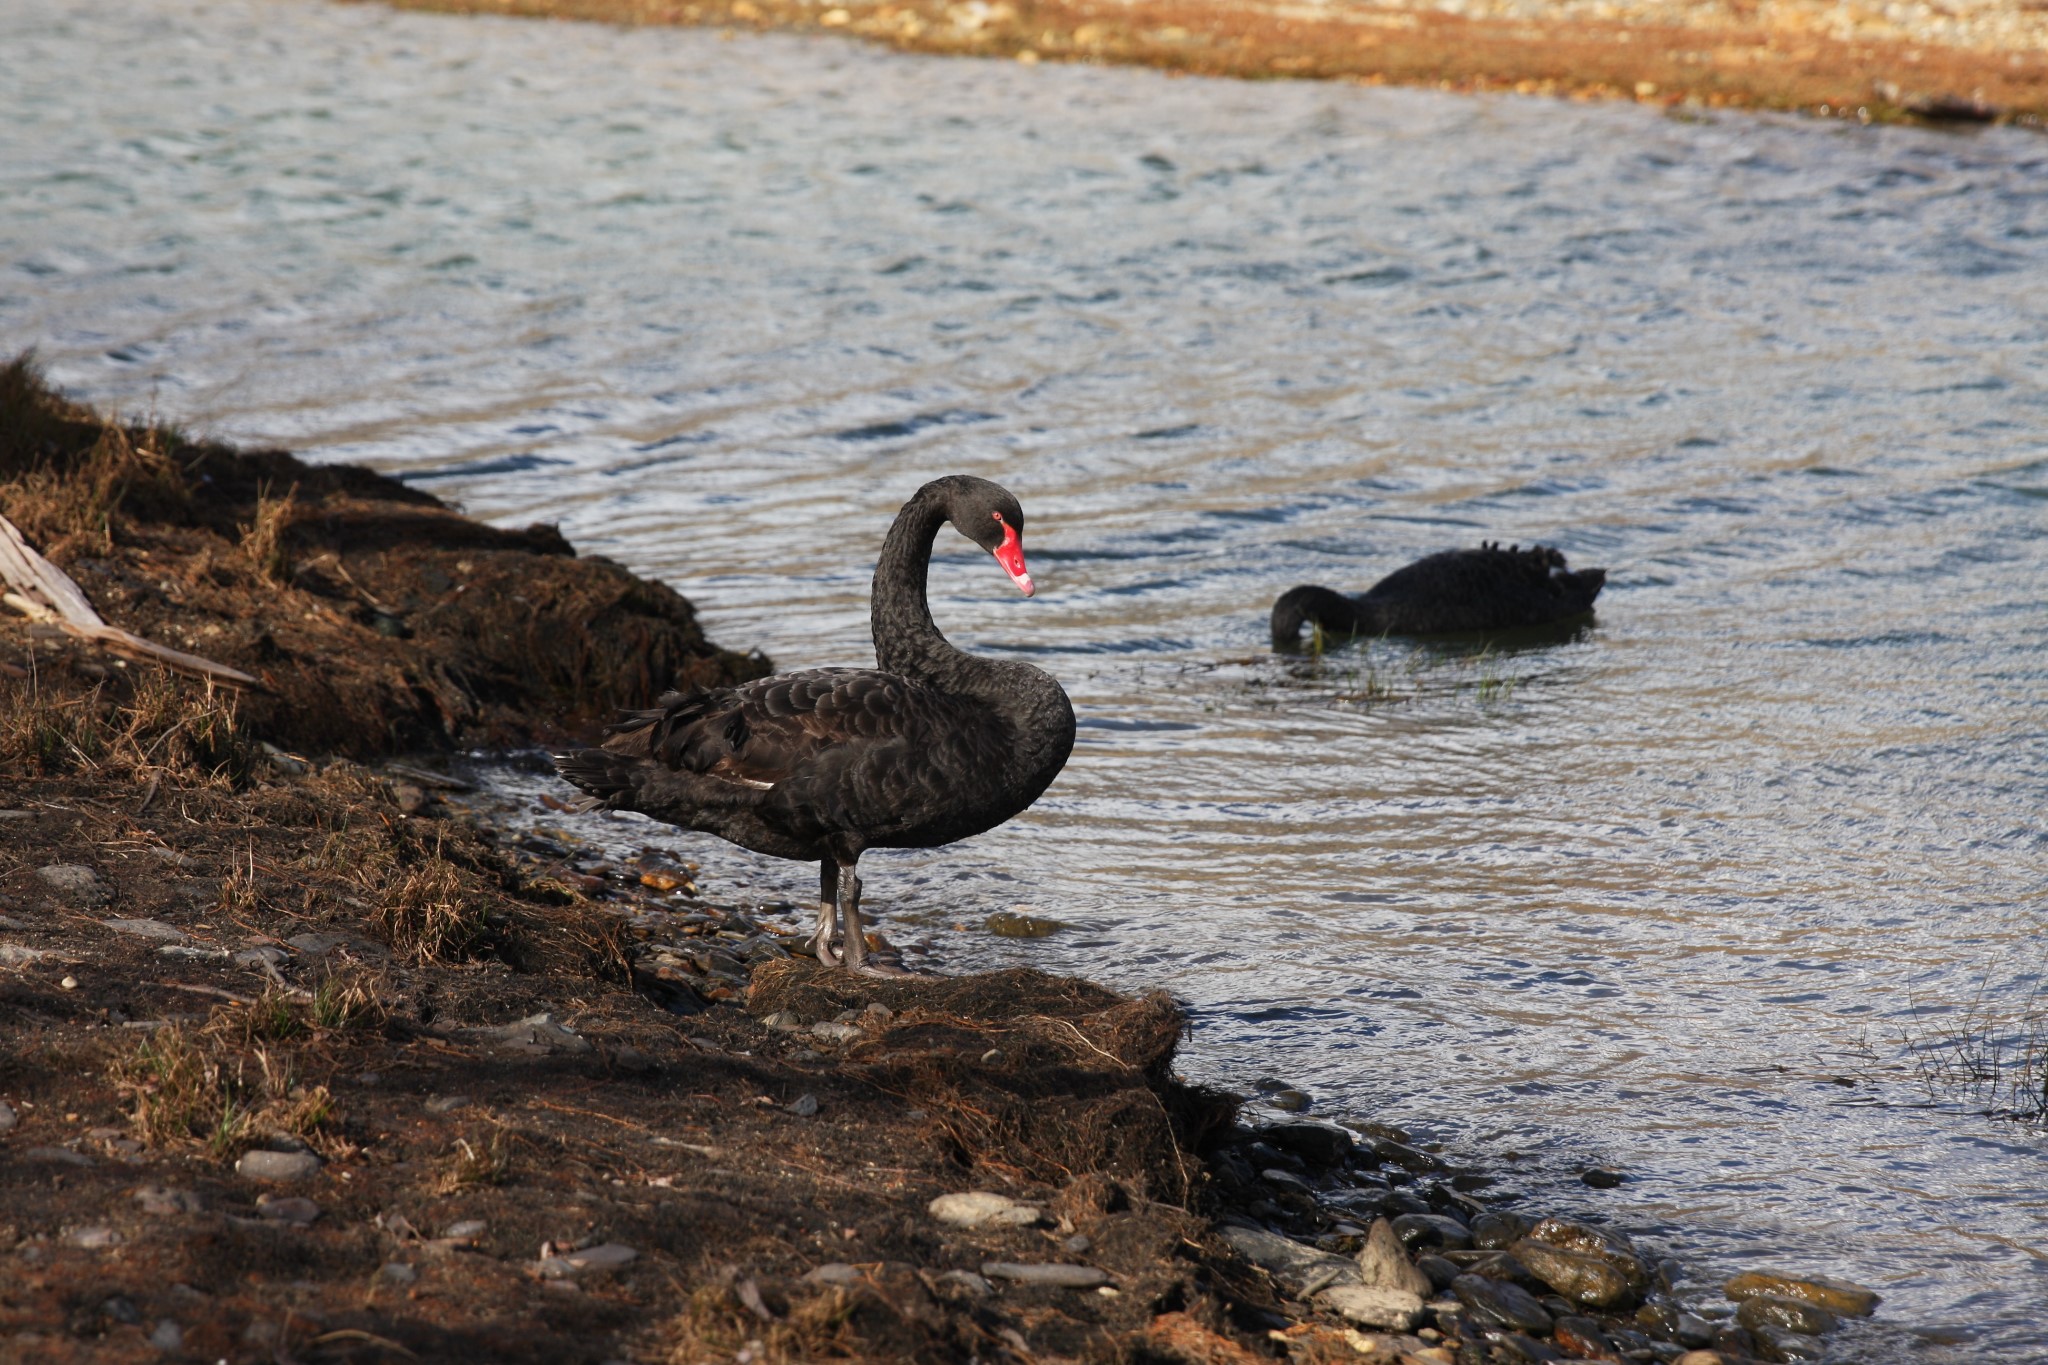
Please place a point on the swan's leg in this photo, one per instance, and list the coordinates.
(828, 912)
(856, 932)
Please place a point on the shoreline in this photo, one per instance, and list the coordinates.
(1864, 62)
(310, 1061)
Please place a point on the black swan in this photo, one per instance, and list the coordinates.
(932, 746)
(1454, 590)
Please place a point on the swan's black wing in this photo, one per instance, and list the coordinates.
(1484, 589)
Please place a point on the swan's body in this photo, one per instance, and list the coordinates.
(931, 746)
(1455, 590)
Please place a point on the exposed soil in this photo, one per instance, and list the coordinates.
(1962, 63)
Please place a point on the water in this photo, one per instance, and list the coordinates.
(1637, 898)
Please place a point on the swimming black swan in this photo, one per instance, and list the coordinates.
(1484, 589)
(932, 746)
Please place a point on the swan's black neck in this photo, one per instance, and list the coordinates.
(1333, 611)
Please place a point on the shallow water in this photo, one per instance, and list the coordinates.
(1637, 898)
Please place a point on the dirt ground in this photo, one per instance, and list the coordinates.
(1958, 62)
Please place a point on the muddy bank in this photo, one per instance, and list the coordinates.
(306, 1062)
(1869, 62)
(378, 619)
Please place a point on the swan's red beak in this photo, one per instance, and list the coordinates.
(1010, 554)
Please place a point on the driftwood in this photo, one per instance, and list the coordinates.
(43, 592)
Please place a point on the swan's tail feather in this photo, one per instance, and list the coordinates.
(606, 777)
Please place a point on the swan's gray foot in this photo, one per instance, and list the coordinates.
(821, 936)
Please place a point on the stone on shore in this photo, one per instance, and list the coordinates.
(1793, 1315)
(1383, 1263)
(1498, 1303)
(1294, 1265)
(75, 883)
(1371, 1306)
(1048, 1273)
(262, 1165)
(1586, 1264)
(981, 1208)
(1837, 1296)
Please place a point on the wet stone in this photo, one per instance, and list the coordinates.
(1498, 1231)
(1440, 1271)
(1322, 1144)
(1286, 1180)
(1792, 1315)
(1582, 1338)
(1049, 1273)
(1837, 1296)
(1411, 1159)
(980, 1208)
(1498, 1302)
(1289, 1261)
(1577, 1275)
(1600, 1178)
(1775, 1343)
(260, 1165)
(1433, 1231)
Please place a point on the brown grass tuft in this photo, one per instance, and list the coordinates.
(431, 916)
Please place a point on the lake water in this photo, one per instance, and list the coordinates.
(1642, 898)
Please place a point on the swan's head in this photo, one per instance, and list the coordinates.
(986, 514)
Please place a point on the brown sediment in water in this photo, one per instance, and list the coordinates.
(1865, 61)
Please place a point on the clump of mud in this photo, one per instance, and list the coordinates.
(379, 619)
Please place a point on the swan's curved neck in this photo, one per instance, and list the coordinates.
(907, 640)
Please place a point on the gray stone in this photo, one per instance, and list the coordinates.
(1394, 1310)
(164, 1201)
(92, 1238)
(965, 1280)
(78, 884)
(468, 1230)
(1792, 1315)
(149, 928)
(398, 1272)
(782, 1021)
(260, 1165)
(591, 1260)
(804, 1106)
(980, 1208)
(1287, 1260)
(1286, 1180)
(1498, 1231)
(446, 1104)
(8, 1118)
(1583, 1339)
(841, 1274)
(536, 1035)
(1496, 1302)
(1837, 1296)
(1383, 1263)
(63, 1156)
(168, 1336)
(1407, 1158)
(1288, 1100)
(1050, 1273)
(836, 1033)
(1432, 1231)
(1778, 1344)
(290, 1208)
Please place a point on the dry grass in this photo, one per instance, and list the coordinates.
(210, 1090)
(164, 725)
(263, 539)
(430, 915)
(480, 1159)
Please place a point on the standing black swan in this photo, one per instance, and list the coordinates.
(1454, 590)
(932, 746)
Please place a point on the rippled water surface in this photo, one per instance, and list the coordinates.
(1639, 898)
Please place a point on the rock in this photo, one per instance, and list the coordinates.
(1701, 1358)
(78, 884)
(591, 1260)
(62, 1155)
(446, 1104)
(841, 1274)
(1440, 1271)
(1293, 1264)
(398, 1272)
(836, 1033)
(468, 1230)
(1322, 1144)
(1287, 1181)
(804, 1106)
(1384, 1264)
(1776, 1343)
(1408, 1158)
(536, 1035)
(1582, 1339)
(1600, 1178)
(1496, 1302)
(8, 1118)
(782, 1021)
(1394, 1310)
(291, 1208)
(1498, 1231)
(980, 1208)
(168, 1336)
(164, 1201)
(321, 945)
(1080, 1244)
(92, 1238)
(1837, 1296)
(264, 958)
(149, 928)
(1792, 1315)
(1049, 1273)
(1288, 1100)
(965, 1280)
(1432, 1230)
(261, 1165)
(1577, 1275)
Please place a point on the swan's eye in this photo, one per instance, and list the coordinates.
(997, 515)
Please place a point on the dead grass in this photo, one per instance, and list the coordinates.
(263, 539)
(430, 915)
(224, 1086)
(142, 721)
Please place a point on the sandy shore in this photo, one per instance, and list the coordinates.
(1961, 62)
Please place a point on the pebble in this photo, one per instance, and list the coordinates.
(1582, 1339)
(62, 1155)
(79, 884)
(1050, 1273)
(1498, 1231)
(295, 1209)
(963, 1279)
(1577, 1275)
(168, 1336)
(1793, 1315)
(398, 1272)
(1289, 1261)
(1080, 1244)
(1837, 1296)
(8, 1118)
(148, 928)
(1324, 1144)
(1286, 1180)
(1384, 1264)
(1371, 1306)
(1432, 1230)
(1779, 1344)
(1498, 1302)
(93, 1238)
(782, 1021)
(804, 1106)
(164, 1201)
(1600, 1178)
(446, 1104)
(835, 1032)
(609, 1256)
(841, 1274)
(536, 1035)
(468, 1230)
(981, 1208)
(261, 1165)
